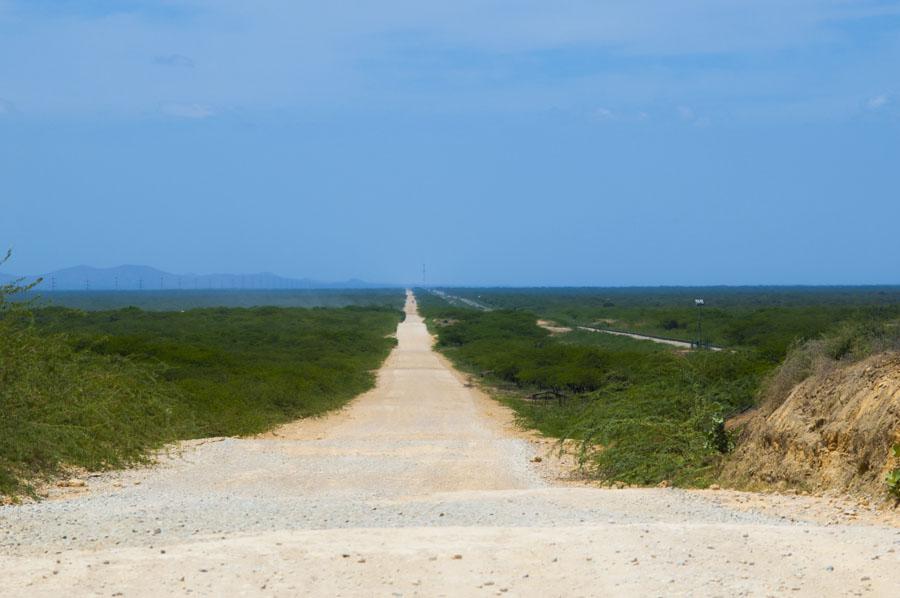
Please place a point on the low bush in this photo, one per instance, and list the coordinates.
(65, 407)
(241, 370)
(768, 320)
(893, 477)
(846, 343)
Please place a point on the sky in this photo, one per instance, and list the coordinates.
(499, 142)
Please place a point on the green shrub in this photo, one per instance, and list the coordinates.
(241, 370)
(60, 406)
(63, 407)
(768, 320)
(892, 479)
(847, 342)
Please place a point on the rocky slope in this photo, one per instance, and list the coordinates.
(833, 433)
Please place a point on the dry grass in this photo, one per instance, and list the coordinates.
(819, 357)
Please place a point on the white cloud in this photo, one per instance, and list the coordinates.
(602, 115)
(877, 102)
(185, 110)
(470, 54)
(606, 115)
(687, 114)
(635, 26)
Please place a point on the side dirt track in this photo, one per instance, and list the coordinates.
(423, 486)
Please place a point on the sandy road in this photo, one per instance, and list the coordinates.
(646, 337)
(420, 487)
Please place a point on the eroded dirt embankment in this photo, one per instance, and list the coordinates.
(834, 432)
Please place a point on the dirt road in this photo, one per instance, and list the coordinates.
(646, 337)
(421, 487)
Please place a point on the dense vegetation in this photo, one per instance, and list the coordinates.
(171, 300)
(241, 370)
(62, 406)
(100, 389)
(767, 319)
(646, 412)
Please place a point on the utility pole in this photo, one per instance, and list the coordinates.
(699, 303)
(116, 282)
(423, 275)
(52, 283)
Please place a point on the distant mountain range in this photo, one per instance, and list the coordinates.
(133, 278)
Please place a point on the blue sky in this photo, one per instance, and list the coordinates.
(517, 143)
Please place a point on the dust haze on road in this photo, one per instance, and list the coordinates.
(423, 486)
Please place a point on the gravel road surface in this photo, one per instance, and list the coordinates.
(424, 487)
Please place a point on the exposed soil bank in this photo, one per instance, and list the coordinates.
(833, 433)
